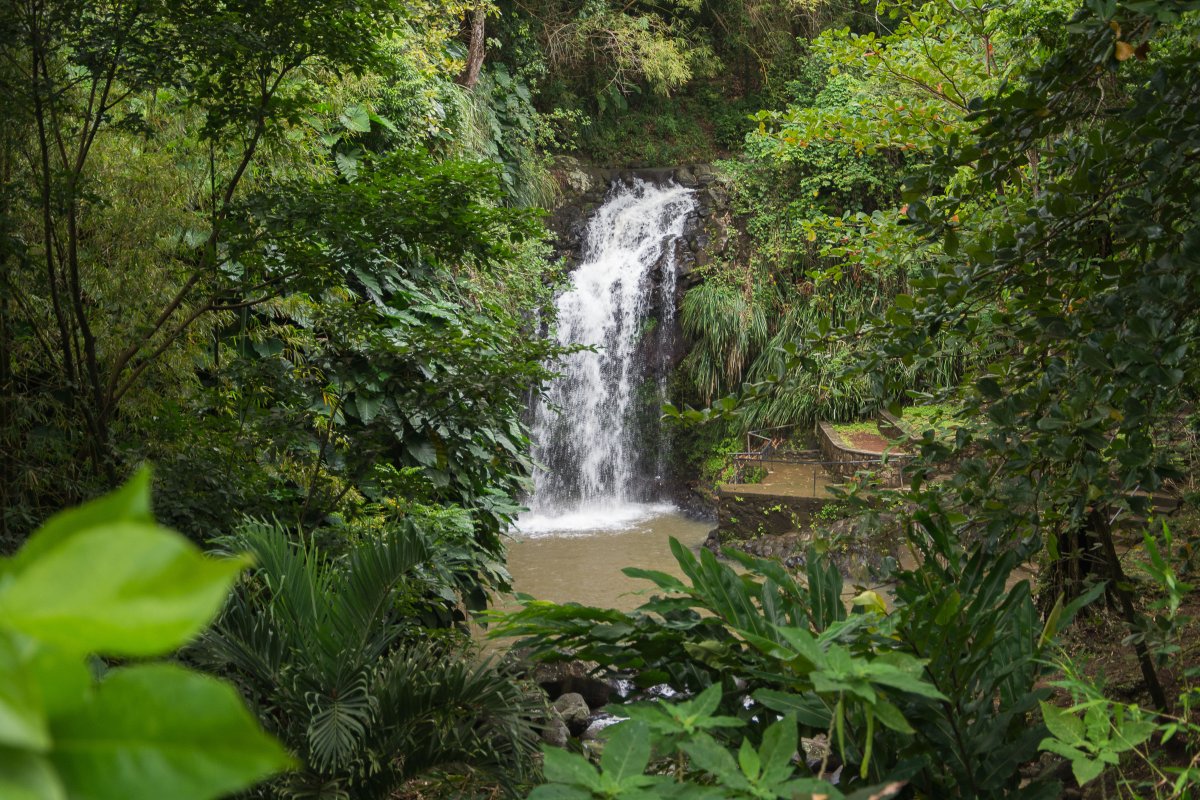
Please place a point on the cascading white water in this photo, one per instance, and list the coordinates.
(585, 431)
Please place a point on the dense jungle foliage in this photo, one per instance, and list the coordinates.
(291, 255)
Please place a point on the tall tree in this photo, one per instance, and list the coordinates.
(1081, 266)
(475, 32)
(81, 79)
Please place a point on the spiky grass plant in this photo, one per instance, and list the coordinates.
(728, 326)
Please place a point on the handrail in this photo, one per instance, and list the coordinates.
(770, 446)
(748, 456)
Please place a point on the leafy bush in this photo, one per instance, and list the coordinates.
(937, 693)
(332, 654)
(1153, 753)
(681, 730)
(105, 580)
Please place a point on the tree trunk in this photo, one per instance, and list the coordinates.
(1120, 584)
(473, 29)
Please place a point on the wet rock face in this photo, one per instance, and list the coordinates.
(567, 677)
(709, 235)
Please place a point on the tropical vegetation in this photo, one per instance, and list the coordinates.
(294, 255)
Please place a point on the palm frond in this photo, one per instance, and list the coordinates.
(324, 653)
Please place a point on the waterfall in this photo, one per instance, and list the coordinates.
(596, 431)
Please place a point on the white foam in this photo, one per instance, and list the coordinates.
(588, 519)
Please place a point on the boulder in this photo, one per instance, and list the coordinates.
(712, 542)
(704, 174)
(564, 677)
(574, 176)
(574, 711)
(555, 732)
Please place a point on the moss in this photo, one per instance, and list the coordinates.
(857, 427)
(938, 418)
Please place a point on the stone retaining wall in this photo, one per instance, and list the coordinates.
(889, 468)
(745, 516)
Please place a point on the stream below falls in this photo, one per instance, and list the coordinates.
(584, 566)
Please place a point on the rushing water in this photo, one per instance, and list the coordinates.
(601, 464)
(596, 507)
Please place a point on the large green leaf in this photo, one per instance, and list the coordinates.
(131, 503)
(356, 118)
(161, 731)
(778, 746)
(1065, 726)
(28, 776)
(569, 768)
(22, 719)
(808, 709)
(128, 588)
(714, 759)
(627, 752)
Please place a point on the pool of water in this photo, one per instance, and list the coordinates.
(578, 556)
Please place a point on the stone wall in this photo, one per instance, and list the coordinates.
(746, 516)
(846, 461)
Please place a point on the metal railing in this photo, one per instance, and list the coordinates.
(742, 461)
(767, 443)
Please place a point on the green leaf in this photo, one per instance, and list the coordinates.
(706, 702)
(1064, 725)
(894, 678)
(129, 588)
(804, 644)
(714, 759)
(347, 164)
(778, 746)
(356, 118)
(22, 717)
(1086, 769)
(627, 751)
(64, 678)
(891, 717)
(384, 121)
(808, 710)
(130, 503)
(367, 406)
(162, 731)
(570, 768)
(1134, 732)
(749, 761)
(28, 776)
(948, 608)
